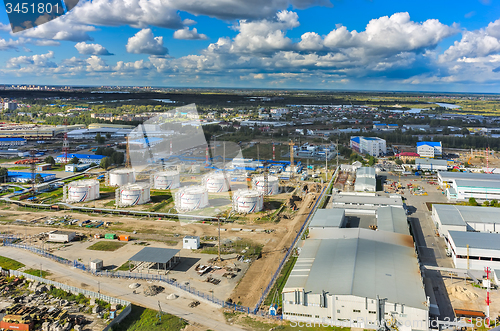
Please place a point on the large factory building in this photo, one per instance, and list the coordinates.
(465, 185)
(472, 234)
(357, 275)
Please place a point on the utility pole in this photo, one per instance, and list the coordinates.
(488, 271)
(291, 143)
(218, 251)
(337, 150)
(326, 165)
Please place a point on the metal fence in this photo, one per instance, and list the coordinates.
(71, 289)
(187, 288)
(292, 246)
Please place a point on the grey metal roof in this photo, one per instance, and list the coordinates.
(435, 162)
(449, 175)
(154, 255)
(365, 172)
(364, 267)
(460, 215)
(366, 200)
(392, 219)
(491, 184)
(191, 237)
(328, 218)
(365, 184)
(479, 240)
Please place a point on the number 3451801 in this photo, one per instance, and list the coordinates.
(32, 8)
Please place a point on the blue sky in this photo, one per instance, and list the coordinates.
(325, 44)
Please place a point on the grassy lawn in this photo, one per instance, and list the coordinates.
(249, 323)
(104, 188)
(126, 266)
(73, 179)
(107, 245)
(58, 167)
(142, 319)
(281, 281)
(36, 272)
(110, 203)
(7, 263)
(18, 168)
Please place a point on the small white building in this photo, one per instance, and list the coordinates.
(61, 236)
(365, 180)
(430, 149)
(96, 265)
(191, 242)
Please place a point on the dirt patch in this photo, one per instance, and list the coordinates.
(250, 288)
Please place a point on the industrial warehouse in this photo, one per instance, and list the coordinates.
(393, 291)
(471, 234)
(464, 185)
(358, 234)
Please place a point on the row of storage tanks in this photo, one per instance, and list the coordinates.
(186, 199)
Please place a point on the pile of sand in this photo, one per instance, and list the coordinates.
(461, 293)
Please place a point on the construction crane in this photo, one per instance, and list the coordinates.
(65, 148)
(291, 143)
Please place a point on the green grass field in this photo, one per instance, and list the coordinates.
(36, 272)
(280, 282)
(125, 267)
(142, 319)
(10, 264)
(106, 246)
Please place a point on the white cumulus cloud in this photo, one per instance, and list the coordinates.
(189, 34)
(144, 42)
(478, 43)
(91, 49)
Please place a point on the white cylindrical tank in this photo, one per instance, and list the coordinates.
(120, 177)
(248, 201)
(83, 190)
(273, 184)
(134, 194)
(216, 182)
(191, 198)
(181, 167)
(166, 180)
(195, 168)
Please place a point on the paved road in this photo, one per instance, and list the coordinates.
(119, 288)
(431, 248)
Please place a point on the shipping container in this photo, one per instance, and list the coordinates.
(110, 236)
(124, 237)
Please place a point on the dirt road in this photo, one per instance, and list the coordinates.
(208, 315)
(261, 271)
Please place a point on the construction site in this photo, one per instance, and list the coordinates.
(246, 213)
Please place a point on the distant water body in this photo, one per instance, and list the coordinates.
(447, 105)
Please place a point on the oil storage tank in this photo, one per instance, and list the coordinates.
(120, 177)
(273, 185)
(166, 180)
(191, 198)
(248, 201)
(134, 194)
(82, 190)
(216, 182)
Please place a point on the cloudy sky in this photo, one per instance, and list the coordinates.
(438, 45)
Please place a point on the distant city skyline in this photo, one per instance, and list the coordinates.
(441, 46)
